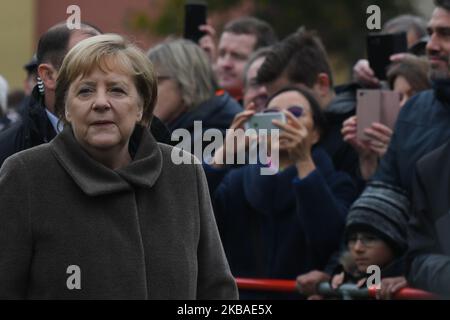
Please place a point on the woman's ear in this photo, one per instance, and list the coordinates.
(140, 112)
(48, 75)
(139, 116)
(67, 114)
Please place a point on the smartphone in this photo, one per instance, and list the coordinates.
(390, 108)
(264, 121)
(194, 16)
(376, 105)
(379, 49)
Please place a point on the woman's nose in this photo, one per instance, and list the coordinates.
(101, 101)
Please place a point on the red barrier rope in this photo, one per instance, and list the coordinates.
(276, 285)
(266, 285)
(407, 294)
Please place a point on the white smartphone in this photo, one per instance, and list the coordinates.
(264, 121)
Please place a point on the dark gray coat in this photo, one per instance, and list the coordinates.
(146, 231)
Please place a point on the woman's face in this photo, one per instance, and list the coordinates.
(298, 105)
(402, 86)
(103, 109)
(170, 103)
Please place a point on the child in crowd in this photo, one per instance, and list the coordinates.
(373, 238)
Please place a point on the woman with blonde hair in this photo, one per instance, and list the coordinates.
(101, 212)
(188, 89)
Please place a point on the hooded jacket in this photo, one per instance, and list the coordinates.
(144, 231)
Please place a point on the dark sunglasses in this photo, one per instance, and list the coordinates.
(297, 111)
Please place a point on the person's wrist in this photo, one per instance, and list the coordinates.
(368, 166)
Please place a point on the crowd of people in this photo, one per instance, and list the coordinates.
(87, 179)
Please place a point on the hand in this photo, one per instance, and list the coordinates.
(361, 282)
(337, 280)
(389, 286)
(397, 57)
(364, 75)
(380, 136)
(368, 159)
(208, 42)
(349, 130)
(241, 143)
(295, 138)
(307, 283)
(367, 151)
(297, 141)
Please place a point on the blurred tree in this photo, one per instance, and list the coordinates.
(340, 23)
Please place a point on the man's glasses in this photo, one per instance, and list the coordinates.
(297, 111)
(366, 240)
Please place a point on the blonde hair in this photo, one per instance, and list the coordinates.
(188, 65)
(107, 52)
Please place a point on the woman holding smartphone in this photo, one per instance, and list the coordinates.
(282, 225)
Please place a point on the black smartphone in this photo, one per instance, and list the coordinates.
(194, 16)
(379, 49)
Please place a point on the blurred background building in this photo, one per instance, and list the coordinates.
(341, 23)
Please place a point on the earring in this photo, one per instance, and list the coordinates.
(40, 85)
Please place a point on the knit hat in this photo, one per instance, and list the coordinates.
(369, 215)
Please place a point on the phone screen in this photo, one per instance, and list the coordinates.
(375, 105)
(379, 49)
(263, 121)
(194, 16)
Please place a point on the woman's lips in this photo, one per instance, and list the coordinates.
(102, 123)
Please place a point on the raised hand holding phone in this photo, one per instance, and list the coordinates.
(194, 17)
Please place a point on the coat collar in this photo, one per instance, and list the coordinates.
(96, 179)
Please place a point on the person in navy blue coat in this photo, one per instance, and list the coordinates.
(282, 225)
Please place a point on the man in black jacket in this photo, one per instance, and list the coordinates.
(39, 124)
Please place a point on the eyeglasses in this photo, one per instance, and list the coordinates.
(297, 111)
(366, 240)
